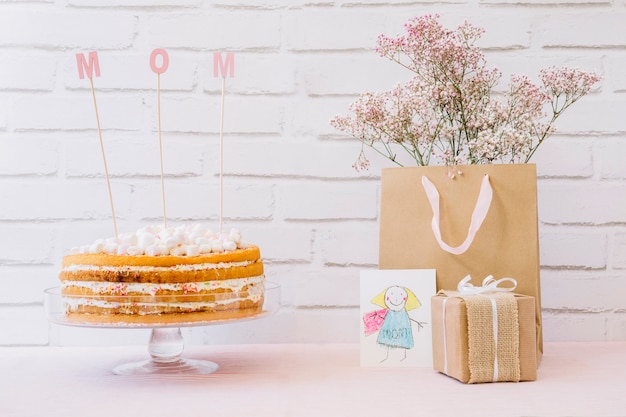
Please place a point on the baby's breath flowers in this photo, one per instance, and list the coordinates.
(449, 110)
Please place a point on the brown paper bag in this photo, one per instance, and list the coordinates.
(500, 240)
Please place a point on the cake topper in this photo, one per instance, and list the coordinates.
(89, 67)
(220, 68)
(165, 61)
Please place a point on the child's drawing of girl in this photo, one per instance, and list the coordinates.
(393, 322)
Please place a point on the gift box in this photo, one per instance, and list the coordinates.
(484, 337)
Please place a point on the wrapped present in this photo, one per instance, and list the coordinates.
(484, 334)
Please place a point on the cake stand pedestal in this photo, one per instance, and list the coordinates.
(166, 344)
(166, 347)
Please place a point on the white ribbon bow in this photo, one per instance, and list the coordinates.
(489, 285)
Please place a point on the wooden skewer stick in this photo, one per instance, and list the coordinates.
(104, 159)
(89, 66)
(224, 68)
(159, 70)
(222, 155)
(161, 149)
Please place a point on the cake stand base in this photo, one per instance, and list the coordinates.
(181, 367)
(166, 347)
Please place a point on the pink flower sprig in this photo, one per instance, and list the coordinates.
(448, 109)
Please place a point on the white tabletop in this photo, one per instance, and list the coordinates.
(575, 379)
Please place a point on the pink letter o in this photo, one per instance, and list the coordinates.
(164, 65)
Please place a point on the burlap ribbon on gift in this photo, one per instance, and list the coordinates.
(493, 334)
(493, 337)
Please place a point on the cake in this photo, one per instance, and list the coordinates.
(163, 275)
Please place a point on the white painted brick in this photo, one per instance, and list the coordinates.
(134, 3)
(582, 290)
(116, 112)
(267, 4)
(360, 3)
(602, 28)
(610, 157)
(17, 156)
(572, 326)
(33, 1)
(324, 29)
(565, 157)
(199, 199)
(190, 114)
(317, 200)
(314, 287)
(350, 244)
(55, 200)
(33, 27)
(569, 249)
(543, 2)
(241, 114)
(5, 106)
(618, 251)
(247, 115)
(593, 114)
(25, 284)
(25, 244)
(255, 73)
(23, 325)
(615, 72)
(350, 73)
(244, 199)
(616, 326)
(312, 116)
(577, 119)
(582, 202)
(262, 157)
(27, 72)
(134, 155)
(214, 31)
(281, 244)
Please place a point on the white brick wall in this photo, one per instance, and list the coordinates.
(289, 184)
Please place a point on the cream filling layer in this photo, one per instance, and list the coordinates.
(123, 288)
(73, 304)
(182, 267)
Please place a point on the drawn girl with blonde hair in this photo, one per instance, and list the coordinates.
(393, 322)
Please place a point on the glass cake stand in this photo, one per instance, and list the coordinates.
(166, 342)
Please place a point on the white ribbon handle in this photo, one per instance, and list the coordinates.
(478, 215)
(489, 285)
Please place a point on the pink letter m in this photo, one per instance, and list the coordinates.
(89, 67)
(221, 67)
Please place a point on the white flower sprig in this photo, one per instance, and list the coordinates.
(448, 109)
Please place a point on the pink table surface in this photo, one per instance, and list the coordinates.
(575, 379)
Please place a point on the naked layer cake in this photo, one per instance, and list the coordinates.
(162, 275)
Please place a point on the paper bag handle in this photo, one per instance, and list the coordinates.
(478, 215)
